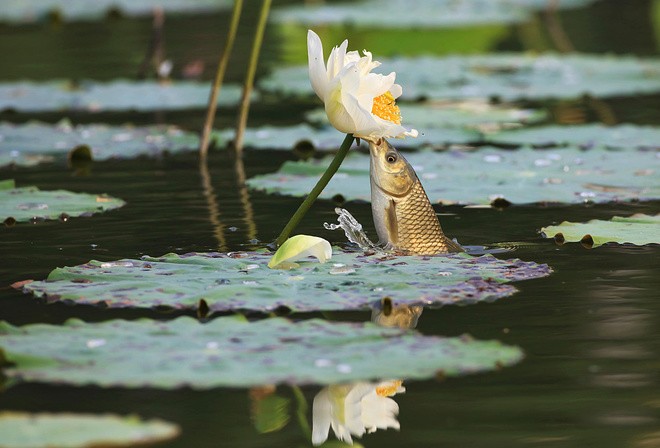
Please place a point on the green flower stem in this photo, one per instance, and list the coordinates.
(249, 77)
(219, 77)
(316, 191)
(301, 412)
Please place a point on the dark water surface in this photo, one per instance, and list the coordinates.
(590, 331)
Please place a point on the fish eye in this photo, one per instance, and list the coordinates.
(391, 158)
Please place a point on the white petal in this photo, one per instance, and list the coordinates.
(336, 60)
(321, 417)
(301, 246)
(396, 90)
(317, 72)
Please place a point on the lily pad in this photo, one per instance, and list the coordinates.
(327, 138)
(472, 115)
(25, 430)
(243, 281)
(637, 229)
(566, 175)
(405, 14)
(505, 76)
(93, 96)
(32, 143)
(32, 10)
(28, 203)
(230, 351)
(586, 135)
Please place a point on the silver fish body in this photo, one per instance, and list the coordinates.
(403, 215)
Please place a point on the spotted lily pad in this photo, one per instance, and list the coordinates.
(230, 351)
(93, 96)
(34, 142)
(568, 175)
(405, 14)
(28, 203)
(25, 430)
(31, 10)
(243, 281)
(637, 229)
(505, 76)
(587, 135)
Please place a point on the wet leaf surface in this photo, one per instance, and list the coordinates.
(243, 281)
(93, 96)
(33, 10)
(587, 135)
(565, 175)
(230, 351)
(637, 229)
(35, 142)
(28, 203)
(505, 76)
(25, 430)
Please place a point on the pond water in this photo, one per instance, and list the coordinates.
(590, 331)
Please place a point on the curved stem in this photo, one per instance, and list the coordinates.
(316, 191)
(249, 77)
(219, 76)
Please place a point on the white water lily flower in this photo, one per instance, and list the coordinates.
(357, 101)
(298, 247)
(355, 409)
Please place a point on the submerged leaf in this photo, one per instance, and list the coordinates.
(567, 175)
(242, 281)
(298, 247)
(27, 203)
(229, 351)
(505, 76)
(25, 430)
(637, 229)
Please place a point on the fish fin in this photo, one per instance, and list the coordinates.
(391, 222)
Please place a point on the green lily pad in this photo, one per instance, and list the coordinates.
(93, 96)
(31, 143)
(476, 115)
(508, 77)
(229, 351)
(405, 14)
(586, 135)
(637, 229)
(566, 175)
(327, 138)
(32, 10)
(25, 430)
(28, 203)
(243, 281)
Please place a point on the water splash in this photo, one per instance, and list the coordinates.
(353, 230)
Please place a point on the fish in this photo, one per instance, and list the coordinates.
(403, 215)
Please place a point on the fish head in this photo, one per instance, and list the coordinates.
(390, 171)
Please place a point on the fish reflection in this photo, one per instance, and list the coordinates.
(390, 315)
(355, 409)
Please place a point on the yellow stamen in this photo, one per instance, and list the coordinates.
(385, 107)
(389, 389)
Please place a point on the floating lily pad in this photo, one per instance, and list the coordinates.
(587, 135)
(469, 115)
(27, 203)
(31, 10)
(24, 430)
(505, 76)
(637, 229)
(31, 143)
(327, 138)
(405, 14)
(567, 175)
(92, 96)
(243, 281)
(229, 351)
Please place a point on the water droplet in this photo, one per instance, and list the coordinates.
(95, 343)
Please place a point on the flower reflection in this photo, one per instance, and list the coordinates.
(355, 409)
